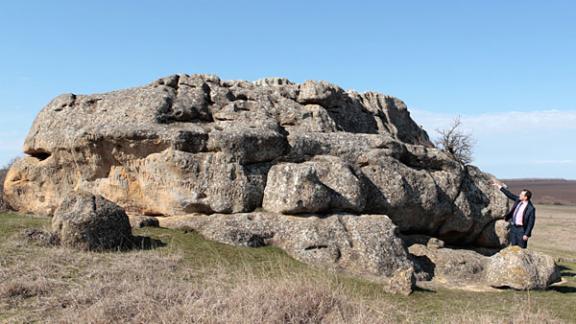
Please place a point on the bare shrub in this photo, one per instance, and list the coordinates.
(455, 142)
(3, 171)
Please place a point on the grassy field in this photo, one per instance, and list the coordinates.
(554, 230)
(190, 279)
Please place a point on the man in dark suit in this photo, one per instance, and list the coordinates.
(521, 216)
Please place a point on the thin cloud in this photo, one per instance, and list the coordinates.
(499, 122)
(554, 162)
(548, 135)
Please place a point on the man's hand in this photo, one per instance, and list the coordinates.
(497, 183)
(525, 238)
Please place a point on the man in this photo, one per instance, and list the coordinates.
(521, 216)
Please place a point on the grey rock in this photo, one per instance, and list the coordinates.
(295, 188)
(450, 265)
(367, 245)
(521, 269)
(88, 222)
(197, 144)
(512, 267)
(321, 185)
(246, 144)
(321, 93)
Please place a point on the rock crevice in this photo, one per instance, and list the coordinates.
(194, 144)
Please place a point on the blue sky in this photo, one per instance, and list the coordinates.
(507, 67)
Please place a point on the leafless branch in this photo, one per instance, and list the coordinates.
(455, 142)
(3, 172)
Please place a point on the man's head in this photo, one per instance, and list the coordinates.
(525, 195)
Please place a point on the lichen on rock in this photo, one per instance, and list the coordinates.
(196, 144)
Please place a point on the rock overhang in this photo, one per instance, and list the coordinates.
(181, 132)
(197, 144)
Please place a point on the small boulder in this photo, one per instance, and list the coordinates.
(456, 267)
(513, 267)
(521, 269)
(91, 222)
(40, 237)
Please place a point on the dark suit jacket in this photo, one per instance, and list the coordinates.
(529, 216)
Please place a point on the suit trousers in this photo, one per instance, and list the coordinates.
(516, 233)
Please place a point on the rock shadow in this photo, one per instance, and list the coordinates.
(44, 238)
(138, 242)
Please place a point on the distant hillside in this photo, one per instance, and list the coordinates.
(546, 191)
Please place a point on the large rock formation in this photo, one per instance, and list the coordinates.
(199, 145)
(187, 144)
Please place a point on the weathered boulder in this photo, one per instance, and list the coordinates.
(513, 267)
(198, 144)
(454, 267)
(367, 245)
(522, 269)
(90, 222)
(323, 184)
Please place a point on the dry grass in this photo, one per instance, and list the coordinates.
(154, 287)
(192, 280)
(554, 230)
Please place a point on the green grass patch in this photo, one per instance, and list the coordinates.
(11, 223)
(271, 262)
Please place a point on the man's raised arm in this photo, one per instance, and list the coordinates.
(503, 188)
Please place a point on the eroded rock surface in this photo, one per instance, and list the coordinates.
(523, 269)
(367, 245)
(92, 223)
(512, 267)
(197, 144)
(271, 150)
